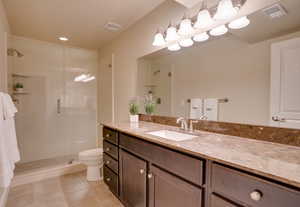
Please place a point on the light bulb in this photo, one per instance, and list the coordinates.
(218, 31)
(174, 47)
(171, 34)
(201, 37)
(186, 42)
(225, 10)
(159, 40)
(239, 23)
(185, 27)
(203, 19)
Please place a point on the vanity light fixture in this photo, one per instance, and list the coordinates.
(239, 23)
(188, 31)
(185, 27)
(204, 18)
(225, 10)
(201, 37)
(218, 31)
(174, 47)
(172, 34)
(159, 40)
(186, 42)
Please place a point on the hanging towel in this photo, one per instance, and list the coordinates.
(196, 108)
(9, 108)
(9, 152)
(211, 109)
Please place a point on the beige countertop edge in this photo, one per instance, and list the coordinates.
(204, 156)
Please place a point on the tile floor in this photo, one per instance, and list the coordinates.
(66, 191)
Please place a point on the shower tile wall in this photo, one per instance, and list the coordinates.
(43, 131)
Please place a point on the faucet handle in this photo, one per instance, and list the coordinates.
(191, 124)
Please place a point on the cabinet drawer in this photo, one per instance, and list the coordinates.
(216, 201)
(110, 135)
(182, 165)
(111, 163)
(251, 190)
(110, 149)
(111, 179)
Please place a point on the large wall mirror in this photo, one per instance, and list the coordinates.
(249, 76)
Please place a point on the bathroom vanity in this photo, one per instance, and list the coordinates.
(210, 170)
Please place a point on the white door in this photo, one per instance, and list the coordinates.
(285, 84)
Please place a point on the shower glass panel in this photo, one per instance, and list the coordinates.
(57, 115)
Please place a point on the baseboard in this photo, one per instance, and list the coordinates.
(47, 173)
(3, 196)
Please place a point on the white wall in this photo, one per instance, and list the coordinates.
(137, 42)
(4, 31)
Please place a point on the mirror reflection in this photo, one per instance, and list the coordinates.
(245, 76)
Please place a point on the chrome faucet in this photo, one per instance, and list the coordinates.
(183, 121)
(192, 122)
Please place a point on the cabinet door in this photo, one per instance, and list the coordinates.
(168, 190)
(132, 180)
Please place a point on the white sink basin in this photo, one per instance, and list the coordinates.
(172, 135)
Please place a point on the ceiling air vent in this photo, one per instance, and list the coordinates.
(275, 11)
(111, 26)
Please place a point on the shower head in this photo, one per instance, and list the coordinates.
(14, 52)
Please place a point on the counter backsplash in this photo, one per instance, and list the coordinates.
(264, 133)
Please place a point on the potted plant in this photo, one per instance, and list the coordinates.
(149, 105)
(134, 112)
(19, 87)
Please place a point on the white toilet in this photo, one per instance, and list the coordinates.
(93, 159)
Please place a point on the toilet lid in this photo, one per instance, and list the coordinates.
(92, 152)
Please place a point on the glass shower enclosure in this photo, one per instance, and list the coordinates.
(57, 107)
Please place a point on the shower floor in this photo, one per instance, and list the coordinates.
(47, 168)
(38, 165)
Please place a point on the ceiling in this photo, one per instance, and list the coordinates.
(82, 21)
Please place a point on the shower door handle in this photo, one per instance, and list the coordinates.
(58, 103)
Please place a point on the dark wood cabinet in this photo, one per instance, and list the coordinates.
(145, 174)
(133, 180)
(217, 201)
(166, 190)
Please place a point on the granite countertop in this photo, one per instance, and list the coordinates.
(272, 160)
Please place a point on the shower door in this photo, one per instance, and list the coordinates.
(57, 115)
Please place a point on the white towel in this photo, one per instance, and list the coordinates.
(196, 108)
(211, 109)
(9, 152)
(9, 108)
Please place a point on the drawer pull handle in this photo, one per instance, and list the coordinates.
(256, 195)
(107, 135)
(107, 149)
(150, 175)
(107, 162)
(107, 179)
(142, 171)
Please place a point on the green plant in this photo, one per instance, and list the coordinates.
(133, 109)
(149, 108)
(149, 105)
(19, 85)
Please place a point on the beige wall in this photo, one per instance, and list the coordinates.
(4, 30)
(136, 42)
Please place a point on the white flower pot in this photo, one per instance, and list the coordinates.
(134, 118)
(20, 90)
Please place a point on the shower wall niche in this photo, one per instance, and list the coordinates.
(57, 111)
